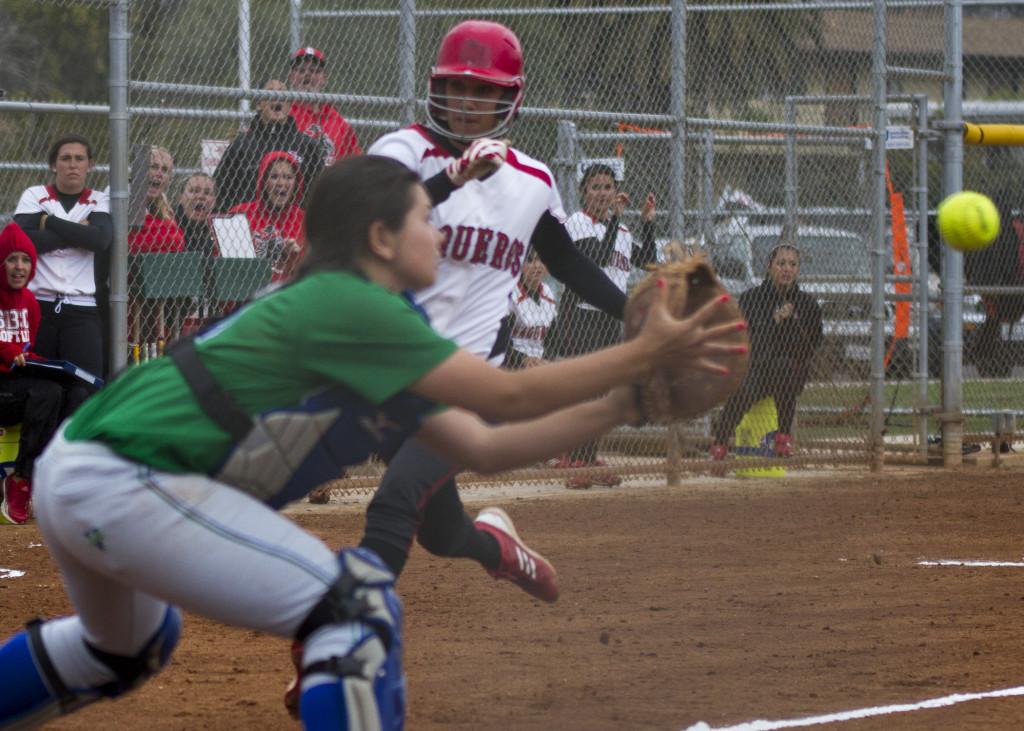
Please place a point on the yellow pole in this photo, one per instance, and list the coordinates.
(993, 134)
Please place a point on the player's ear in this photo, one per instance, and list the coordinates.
(381, 242)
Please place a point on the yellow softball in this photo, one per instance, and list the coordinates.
(968, 221)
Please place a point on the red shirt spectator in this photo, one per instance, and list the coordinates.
(159, 232)
(322, 122)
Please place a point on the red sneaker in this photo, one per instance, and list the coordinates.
(16, 506)
(604, 478)
(294, 690)
(519, 564)
(783, 445)
(718, 452)
(579, 482)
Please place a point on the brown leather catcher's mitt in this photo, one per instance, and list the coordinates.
(673, 394)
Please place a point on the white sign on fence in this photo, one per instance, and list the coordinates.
(899, 138)
(211, 153)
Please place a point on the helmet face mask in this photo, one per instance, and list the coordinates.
(478, 75)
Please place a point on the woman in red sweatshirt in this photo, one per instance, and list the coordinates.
(37, 401)
(274, 218)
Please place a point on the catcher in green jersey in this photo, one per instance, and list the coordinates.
(161, 491)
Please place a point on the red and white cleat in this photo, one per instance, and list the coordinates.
(783, 445)
(16, 502)
(519, 564)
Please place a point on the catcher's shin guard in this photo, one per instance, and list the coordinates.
(34, 691)
(352, 662)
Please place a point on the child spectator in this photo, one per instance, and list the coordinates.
(37, 400)
(274, 217)
(196, 202)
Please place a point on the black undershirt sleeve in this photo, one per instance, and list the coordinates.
(569, 266)
(60, 234)
(648, 253)
(439, 187)
(94, 236)
(44, 241)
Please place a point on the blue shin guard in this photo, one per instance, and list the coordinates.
(359, 687)
(34, 691)
(352, 664)
(26, 700)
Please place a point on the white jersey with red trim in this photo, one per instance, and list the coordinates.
(487, 226)
(533, 319)
(581, 225)
(64, 274)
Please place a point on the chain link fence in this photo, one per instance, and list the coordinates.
(236, 106)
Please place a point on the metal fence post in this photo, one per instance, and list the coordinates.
(952, 260)
(677, 182)
(295, 24)
(878, 98)
(708, 187)
(921, 189)
(566, 159)
(118, 38)
(677, 155)
(789, 163)
(407, 59)
(244, 52)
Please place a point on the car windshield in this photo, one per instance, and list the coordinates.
(825, 255)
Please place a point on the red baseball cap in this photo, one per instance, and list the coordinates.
(308, 52)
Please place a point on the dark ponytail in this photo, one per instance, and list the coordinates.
(348, 197)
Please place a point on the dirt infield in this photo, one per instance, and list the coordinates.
(721, 602)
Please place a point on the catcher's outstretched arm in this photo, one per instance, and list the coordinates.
(468, 381)
(568, 265)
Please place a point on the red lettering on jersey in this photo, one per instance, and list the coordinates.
(461, 245)
(515, 258)
(498, 259)
(620, 262)
(447, 231)
(483, 240)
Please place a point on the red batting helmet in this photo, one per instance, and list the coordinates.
(483, 51)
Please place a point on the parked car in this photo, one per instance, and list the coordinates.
(835, 268)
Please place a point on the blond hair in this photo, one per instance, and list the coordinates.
(160, 206)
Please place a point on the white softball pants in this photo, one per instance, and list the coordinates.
(129, 539)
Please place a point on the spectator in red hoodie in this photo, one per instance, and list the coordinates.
(37, 401)
(274, 218)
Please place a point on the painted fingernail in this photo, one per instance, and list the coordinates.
(724, 298)
(661, 283)
(724, 372)
(741, 349)
(741, 326)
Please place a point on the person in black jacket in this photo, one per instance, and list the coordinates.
(785, 330)
(272, 129)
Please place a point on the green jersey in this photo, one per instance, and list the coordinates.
(321, 365)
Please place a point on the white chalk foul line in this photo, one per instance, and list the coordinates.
(949, 700)
(10, 573)
(965, 562)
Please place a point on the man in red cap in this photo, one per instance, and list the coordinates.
(320, 121)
